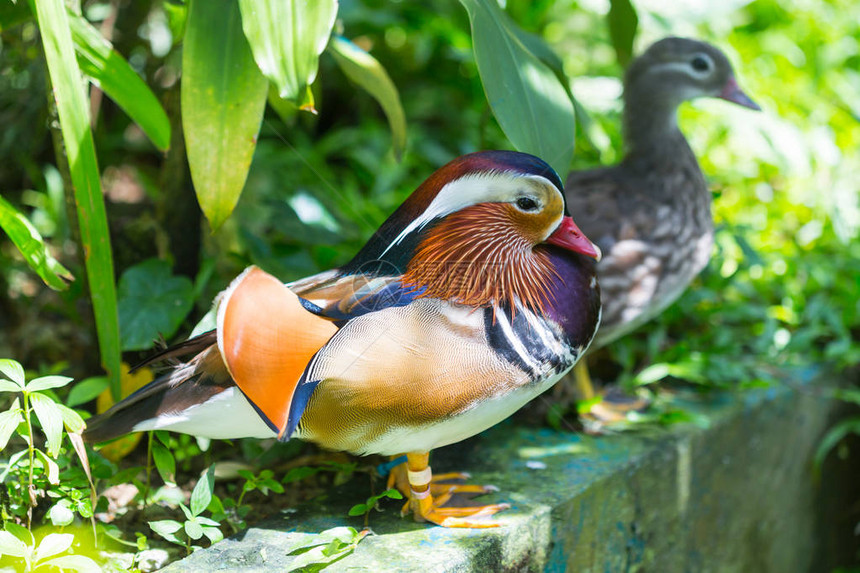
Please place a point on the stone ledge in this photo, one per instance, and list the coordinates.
(734, 494)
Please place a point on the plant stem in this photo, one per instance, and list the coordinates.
(148, 467)
(31, 453)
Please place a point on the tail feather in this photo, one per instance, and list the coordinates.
(185, 386)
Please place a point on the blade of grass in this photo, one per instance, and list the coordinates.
(73, 111)
(32, 247)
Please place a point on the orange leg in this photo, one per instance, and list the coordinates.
(427, 505)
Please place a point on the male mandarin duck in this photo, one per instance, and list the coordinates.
(475, 296)
(651, 214)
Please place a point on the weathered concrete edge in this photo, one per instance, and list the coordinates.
(535, 533)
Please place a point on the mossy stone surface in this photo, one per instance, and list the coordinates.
(735, 492)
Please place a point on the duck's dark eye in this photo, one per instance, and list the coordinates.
(527, 204)
(700, 64)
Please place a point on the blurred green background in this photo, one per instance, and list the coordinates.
(781, 291)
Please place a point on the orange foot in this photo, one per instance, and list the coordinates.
(427, 496)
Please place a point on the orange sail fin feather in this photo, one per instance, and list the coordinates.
(267, 339)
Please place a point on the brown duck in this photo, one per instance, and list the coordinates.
(651, 214)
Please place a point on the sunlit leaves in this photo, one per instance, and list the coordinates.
(367, 72)
(223, 99)
(286, 38)
(530, 104)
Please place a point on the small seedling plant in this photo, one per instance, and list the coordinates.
(32, 473)
(195, 526)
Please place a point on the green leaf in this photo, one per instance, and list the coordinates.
(53, 544)
(73, 110)
(71, 420)
(9, 420)
(164, 462)
(152, 303)
(52, 470)
(358, 509)
(12, 546)
(213, 534)
(46, 382)
(167, 529)
(86, 390)
(34, 250)
(51, 419)
(223, 100)
(193, 530)
(119, 81)
(60, 514)
(286, 38)
(202, 493)
(14, 372)
(530, 104)
(79, 563)
(623, 21)
(367, 72)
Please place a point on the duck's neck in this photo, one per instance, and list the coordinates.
(651, 131)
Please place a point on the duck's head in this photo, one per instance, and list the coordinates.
(674, 70)
(477, 231)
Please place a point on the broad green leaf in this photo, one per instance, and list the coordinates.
(46, 382)
(152, 303)
(119, 81)
(13, 371)
(73, 110)
(223, 99)
(9, 420)
(530, 104)
(12, 546)
(34, 250)
(358, 509)
(164, 462)
(13, 14)
(51, 419)
(202, 493)
(287, 38)
(53, 544)
(623, 21)
(79, 563)
(367, 72)
(86, 390)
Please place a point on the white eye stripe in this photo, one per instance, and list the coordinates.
(687, 68)
(469, 190)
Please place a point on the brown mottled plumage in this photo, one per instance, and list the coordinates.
(651, 214)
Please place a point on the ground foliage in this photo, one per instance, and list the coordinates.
(782, 290)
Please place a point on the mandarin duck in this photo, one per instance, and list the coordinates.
(477, 294)
(651, 214)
